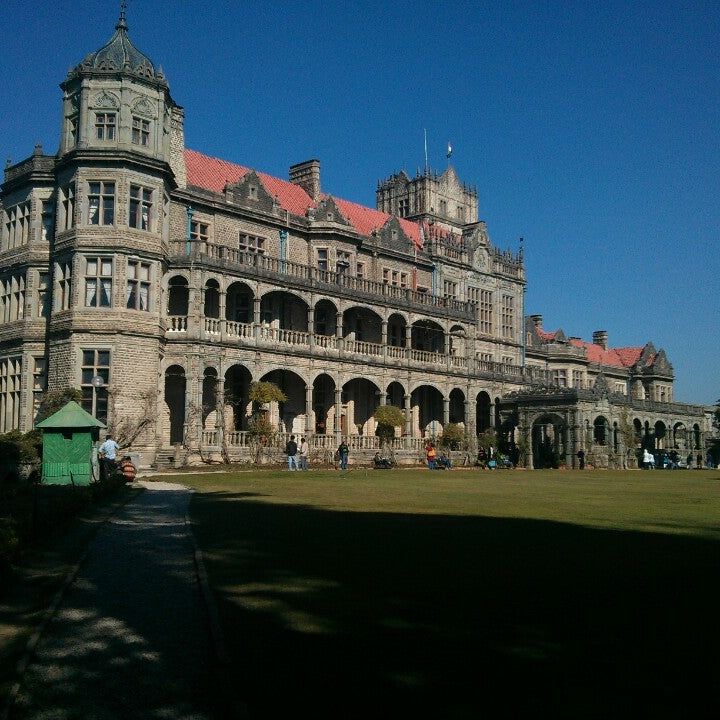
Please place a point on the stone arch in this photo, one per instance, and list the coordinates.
(660, 431)
(289, 416)
(239, 299)
(483, 412)
(211, 299)
(362, 324)
(427, 335)
(323, 403)
(426, 407)
(238, 409)
(396, 324)
(209, 397)
(284, 310)
(396, 394)
(178, 296)
(457, 340)
(457, 407)
(600, 430)
(679, 436)
(549, 440)
(325, 317)
(360, 397)
(175, 388)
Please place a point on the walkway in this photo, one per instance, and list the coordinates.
(130, 637)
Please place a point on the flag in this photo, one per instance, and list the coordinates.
(449, 152)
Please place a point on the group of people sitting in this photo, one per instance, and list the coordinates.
(435, 460)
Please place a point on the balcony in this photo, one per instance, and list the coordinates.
(272, 339)
(306, 277)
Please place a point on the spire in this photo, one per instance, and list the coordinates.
(122, 23)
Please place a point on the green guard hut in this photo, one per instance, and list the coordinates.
(68, 437)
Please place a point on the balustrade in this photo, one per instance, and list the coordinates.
(177, 323)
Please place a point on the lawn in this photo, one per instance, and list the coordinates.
(466, 593)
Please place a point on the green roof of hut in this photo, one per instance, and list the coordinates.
(70, 416)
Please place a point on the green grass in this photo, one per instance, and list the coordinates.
(449, 595)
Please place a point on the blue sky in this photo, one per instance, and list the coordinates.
(590, 129)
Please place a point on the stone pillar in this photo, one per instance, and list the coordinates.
(256, 317)
(309, 428)
(408, 415)
(311, 325)
(339, 330)
(338, 412)
(446, 411)
(384, 339)
(223, 301)
(408, 337)
(382, 397)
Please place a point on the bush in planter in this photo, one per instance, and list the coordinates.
(388, 417)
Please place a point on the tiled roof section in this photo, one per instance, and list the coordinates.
(546, 336)
(613, 357)
(365, 219)
(214, 174)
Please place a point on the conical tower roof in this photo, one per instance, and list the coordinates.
(120, 56)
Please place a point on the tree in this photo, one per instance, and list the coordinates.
(388, 417)
(488, 439)
(262, 393)
(453, 436)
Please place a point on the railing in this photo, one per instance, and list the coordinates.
(177, 323)
(271, 336)
(286, 271)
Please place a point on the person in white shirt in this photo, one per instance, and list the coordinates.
(304, 451)
(107, 453)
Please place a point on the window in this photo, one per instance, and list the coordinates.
(507, 359)
(404, 207)
(577, 378)
(322, 259)
(473, 295)
(137, 296)
(198, 231)
(12, 298)
(486, 357)
(508, 316)
(449, 289)
(141, 202)
(360, 271)
(251, 244)
(43, 295)
(343, 261)
(105, 126)
(73, 129)
(386, 276)
(64, 273)
(67, 195)
(48, 219)
(443, 207)
(140, 131)
(403, 280)
(10, 379)
(395, 278)
(95, 364)
(17, 226)
(461, 213)
(101, 203)
(559, 378)
(486, 312)
(39, 382)
(98, 282)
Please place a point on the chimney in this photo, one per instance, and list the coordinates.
(307, 176)
(537, 320)
(600, 338)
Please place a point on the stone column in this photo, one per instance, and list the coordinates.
(338, 412)
(308, 410)
(408, 337)
(256, 317)
(384, 338)
(446, 411)
(223, 301)
(220, 409)
(408, 415)
(311, 325)
(339, 330)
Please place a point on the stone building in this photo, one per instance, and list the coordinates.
(163, 282)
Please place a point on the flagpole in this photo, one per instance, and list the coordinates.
(426, 157)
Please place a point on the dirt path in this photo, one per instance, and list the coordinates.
(130, 637)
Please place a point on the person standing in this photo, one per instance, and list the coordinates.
(291, 449)
(581, 459)
(343, 452)
(108, 454)
(431, 456)
(304, 451)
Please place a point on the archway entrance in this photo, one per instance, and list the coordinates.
(175, 383)
(548, 441)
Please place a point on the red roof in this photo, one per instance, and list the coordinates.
(214, 174)
(615, 357)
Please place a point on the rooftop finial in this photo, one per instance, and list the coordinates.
(122, 23)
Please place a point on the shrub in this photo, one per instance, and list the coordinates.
(453, 436)
(388, 417)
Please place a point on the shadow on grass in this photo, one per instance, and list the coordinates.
(348, 615)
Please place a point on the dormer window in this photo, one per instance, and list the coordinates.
(140, 131)
(105, 124)
(252, 192)
(331, 217)
(393, 234)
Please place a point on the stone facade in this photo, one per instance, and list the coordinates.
(162, 282)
